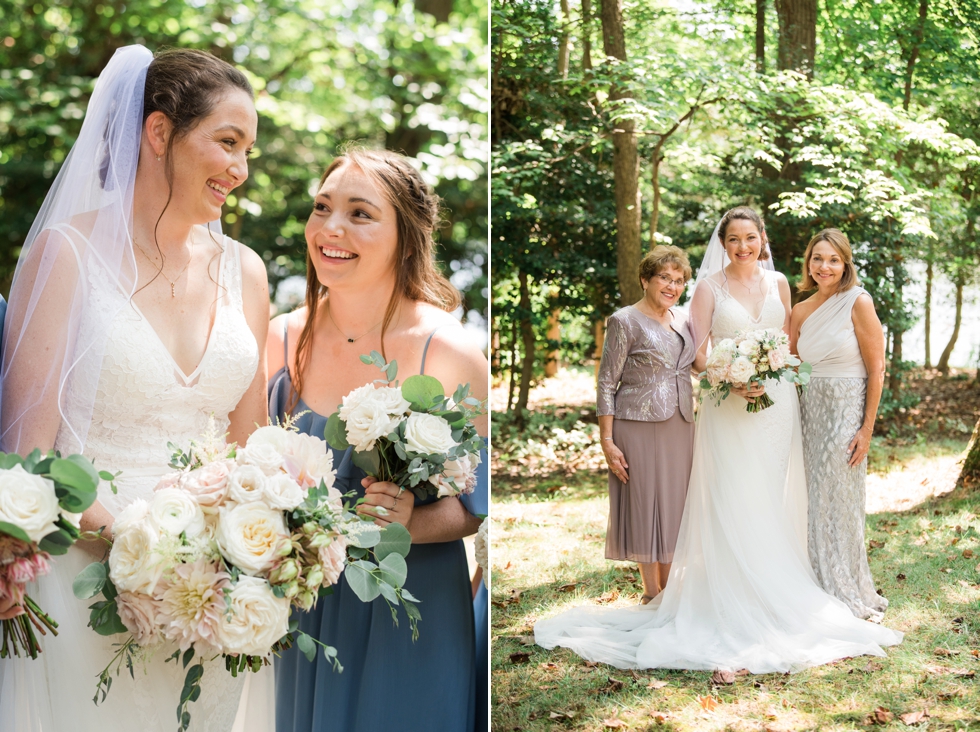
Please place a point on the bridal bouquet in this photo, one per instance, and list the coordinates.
(40, 503)
(229, 545)
(413, 435)
(751, 357)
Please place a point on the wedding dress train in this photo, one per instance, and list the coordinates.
(741, 592)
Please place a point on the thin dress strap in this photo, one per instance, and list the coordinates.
(285, 344)
(425, 350)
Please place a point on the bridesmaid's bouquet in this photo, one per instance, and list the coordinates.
(751, 357)
(41, 500)
(412, 435)
(481, 548)
(229, 545)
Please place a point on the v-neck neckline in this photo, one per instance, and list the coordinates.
(188, 379)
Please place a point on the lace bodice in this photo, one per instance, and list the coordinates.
(143, 400)
(730, 316)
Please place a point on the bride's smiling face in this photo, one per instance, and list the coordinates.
(743, 242)
(212, 159)
(352, 233)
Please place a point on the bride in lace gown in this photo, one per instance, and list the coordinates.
(131, 325)
(741, 593)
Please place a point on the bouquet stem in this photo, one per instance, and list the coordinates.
(760, 403)
(18, 633)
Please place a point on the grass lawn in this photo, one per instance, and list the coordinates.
(549, 533)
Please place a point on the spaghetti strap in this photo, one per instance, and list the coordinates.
(285, 344)
(425, 350)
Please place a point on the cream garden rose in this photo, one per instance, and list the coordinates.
(208, 485)
(368, 421)
(248, 534)
(741, 370)
(263, 455)
(428, 434)
(133, 564)
(29, 502)
(246, 484)
(175, 512)
(140, 614)
(255, 618)
(284, 493)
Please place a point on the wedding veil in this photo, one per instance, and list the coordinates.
(703, 295)
(77, 251)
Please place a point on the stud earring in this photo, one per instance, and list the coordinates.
(158, 158)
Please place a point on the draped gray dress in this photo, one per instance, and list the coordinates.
(832, 411)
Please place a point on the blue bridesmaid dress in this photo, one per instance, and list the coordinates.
(388, 682)
(478, 504)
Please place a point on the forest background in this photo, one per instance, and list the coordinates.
(617, 124)
(405, 76)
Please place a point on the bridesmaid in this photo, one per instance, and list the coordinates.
(838, 332)
(646, 419)
(372, 285)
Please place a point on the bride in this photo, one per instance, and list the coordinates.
(741, 593)
(131, 323)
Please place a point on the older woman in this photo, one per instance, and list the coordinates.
(838, 332)
(646, 418)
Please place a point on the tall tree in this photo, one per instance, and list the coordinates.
(797, 35)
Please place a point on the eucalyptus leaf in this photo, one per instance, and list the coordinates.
(306, 645)
(394, 570)
(56, 543)
(395, 539)
(7, 461)
(14, 531)
(369, 462)
(364, 534)
(335, 432)
(89, 582)
(421, 390)
(362, 582)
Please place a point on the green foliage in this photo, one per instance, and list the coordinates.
(380, 72)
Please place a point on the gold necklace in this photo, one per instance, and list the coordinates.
(339, 330)
(173, 283)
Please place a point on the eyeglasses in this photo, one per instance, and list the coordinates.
(679, 284)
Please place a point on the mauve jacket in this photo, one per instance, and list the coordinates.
(638, 376)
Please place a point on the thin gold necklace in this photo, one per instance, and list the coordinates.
(340, 330)
(173, 283)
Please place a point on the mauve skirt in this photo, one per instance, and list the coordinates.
(645, 513)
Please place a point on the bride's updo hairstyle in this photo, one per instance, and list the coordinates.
(418, 211)
(746, 214)
(839, 241)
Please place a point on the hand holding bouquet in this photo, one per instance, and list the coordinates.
(41, 500)
(750, 358)
(413, 435)
(229, 545)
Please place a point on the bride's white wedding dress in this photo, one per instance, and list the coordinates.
(143, 400)
(741, 593)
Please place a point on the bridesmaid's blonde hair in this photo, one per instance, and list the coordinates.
(838, 240)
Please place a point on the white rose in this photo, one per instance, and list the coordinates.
(255, 619)
(283, 492)
(462, 471)
(391, 396)
(368, 421)
(428, 434)
(139, 613)
(134, 566)
(248, 534)
(776, 359)
(208, 485)
(131, 515)
(29, 502)
(174, 511)
(748, 347)
(357, 397)
(305, 457)
(247, 483)
(263, 455)
(741, 370)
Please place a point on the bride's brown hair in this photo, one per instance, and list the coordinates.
(417, 210)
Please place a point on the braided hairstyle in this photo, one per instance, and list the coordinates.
(417, 210)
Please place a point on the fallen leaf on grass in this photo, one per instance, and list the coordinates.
(659, 717)
(613, 686)
(743, 672)
(872, 667)
(526, 640)
(900, 576)
(722, 677)
(947, 570)
(610, 596)
(708, 703)
(910, 718)
(519, 657)
(883, 716)
(591, 664)
(561, 715)
(613, 723)
(569, 587)
(955, 541)
(549, 665)
(656, 684)
(965, 673)
(875, 544)
(944, 652)
(967, 553)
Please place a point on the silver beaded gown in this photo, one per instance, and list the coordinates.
(832, 411)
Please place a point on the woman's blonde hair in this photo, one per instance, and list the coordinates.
(661, 256)
(838, 240)
(416, 277)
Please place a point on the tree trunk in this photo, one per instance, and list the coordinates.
(527, 343)
(513, 366)
(586, 35)
(438, 9)
(655, 185)
(626, 165)
(929, 309)
(563, 41)
(895, 376)
(760, 36)
(970, 473)
(914, 52)
(943, 364)
(797, 35)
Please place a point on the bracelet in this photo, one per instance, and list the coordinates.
(607, 438)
